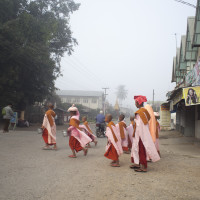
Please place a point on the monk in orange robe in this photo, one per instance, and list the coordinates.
(49, 128)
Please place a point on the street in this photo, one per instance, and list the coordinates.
(28, 172)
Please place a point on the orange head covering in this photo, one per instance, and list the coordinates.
(140, 99)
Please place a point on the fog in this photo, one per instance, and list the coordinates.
(125, 42)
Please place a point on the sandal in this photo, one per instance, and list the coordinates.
(141, 170)
(115, 165)
(72, 156)
(135, 167)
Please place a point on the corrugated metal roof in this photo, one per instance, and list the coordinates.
(183, 44)
(191, 21)
(79, 93)
(174, 70)
(177, 56)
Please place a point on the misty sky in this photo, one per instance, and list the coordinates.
(125, 42)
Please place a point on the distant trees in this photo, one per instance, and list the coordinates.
(121, 93)
(34, 35)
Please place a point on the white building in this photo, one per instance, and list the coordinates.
(90, 99)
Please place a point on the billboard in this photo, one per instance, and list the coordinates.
(191, 95)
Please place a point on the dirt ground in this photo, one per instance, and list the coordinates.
(27, 172)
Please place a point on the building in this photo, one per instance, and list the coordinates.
(89, 99)
(184, 100)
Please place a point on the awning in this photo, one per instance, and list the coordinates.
(191, 96)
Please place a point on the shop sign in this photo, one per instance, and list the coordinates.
(191, 95)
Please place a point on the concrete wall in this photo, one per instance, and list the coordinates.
(165, 120)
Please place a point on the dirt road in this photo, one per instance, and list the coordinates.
(27, 172)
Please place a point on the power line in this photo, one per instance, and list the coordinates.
(186, 3)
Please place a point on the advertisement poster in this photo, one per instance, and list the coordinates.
(191, 95)
(193, 77)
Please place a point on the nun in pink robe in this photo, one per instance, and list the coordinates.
(78, 139)
(142, 143)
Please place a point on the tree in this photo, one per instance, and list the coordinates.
(34, 35)
(121, 93)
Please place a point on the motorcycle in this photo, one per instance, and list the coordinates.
(100, 130)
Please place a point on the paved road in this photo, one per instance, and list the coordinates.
(27, 172)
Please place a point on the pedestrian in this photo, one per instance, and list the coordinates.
(143, 143)
(157, 132)
(78, 139)
(7, 113)
(49, 129)
(130, 130)
(114, 147)
(86, 128)
(121, 127)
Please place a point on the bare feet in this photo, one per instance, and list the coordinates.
(115, 165)
(95, 142)
(85, 152)
(72, 156)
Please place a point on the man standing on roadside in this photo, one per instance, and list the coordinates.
(7, 113)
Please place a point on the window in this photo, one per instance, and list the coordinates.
(68, 100)
(85, 100)
(94, 100)
(64, 100)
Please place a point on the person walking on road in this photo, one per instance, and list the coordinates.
(49, 129)
(7, 113)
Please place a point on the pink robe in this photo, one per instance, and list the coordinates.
(142, 132)
(124, 142)
(91, 135)
(130, 132)
(79, 135)
(152, 122)
(111, 140)
(51, 130)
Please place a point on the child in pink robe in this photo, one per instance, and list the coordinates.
(157, 132)
(121, 128)
(113, 147)
(86, 128)
(130, 131)
(78, 139)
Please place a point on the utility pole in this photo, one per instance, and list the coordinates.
(176, 40)
(104, 103)
(153, 98)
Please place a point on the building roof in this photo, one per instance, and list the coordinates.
(191, 21)
(183, 44)
(174, 70)
(79, 93)
(177, 56)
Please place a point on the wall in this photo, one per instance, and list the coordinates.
(189, 129)
(90, 102)
(165, 120)
(197, 122)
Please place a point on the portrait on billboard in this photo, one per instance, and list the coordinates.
(191, 95)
